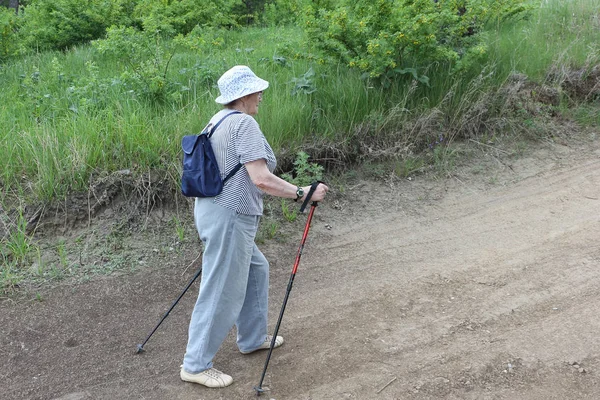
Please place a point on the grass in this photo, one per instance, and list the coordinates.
(558, 32)
(408, 166)
(66, 116)
(586, 115)
(65, 121)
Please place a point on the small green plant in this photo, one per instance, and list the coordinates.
(304, 84)
(289, 214)
(79, 242)
(54, 272)
(19, 242)
(39, 263)
(587, 115)
(179, 229)
(61, 249)
(267, 230)
(304, 172)
(9, 277)
(272, 228)
(375, 169)
(408, 166)
(444, 158)
(275, 60)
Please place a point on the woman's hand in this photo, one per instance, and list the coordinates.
(319, 193)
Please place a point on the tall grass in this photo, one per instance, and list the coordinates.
(559, 31)
(66, 115)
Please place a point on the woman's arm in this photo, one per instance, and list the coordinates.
(275, 186)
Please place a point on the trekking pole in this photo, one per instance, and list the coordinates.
(140, 347)
(259, 389)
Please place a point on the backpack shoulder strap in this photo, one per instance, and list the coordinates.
(210, 133)
(233, 171)
(214, 128)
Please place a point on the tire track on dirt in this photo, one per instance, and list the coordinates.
(458, 283)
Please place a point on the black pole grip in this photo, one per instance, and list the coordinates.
(313, 187)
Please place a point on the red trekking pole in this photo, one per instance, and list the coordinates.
(259, 389)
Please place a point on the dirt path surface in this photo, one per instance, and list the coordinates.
(479, 286)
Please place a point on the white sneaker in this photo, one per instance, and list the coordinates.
(266, 344)
(212, 378)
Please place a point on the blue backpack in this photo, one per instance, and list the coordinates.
(201, 176)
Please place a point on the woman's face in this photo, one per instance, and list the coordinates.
(251, 103)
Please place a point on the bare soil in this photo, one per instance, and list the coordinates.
(479, 285)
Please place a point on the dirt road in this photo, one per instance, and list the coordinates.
(478, 286)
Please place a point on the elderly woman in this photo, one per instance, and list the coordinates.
(235, 274)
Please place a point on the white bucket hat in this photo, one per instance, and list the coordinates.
(238, 82)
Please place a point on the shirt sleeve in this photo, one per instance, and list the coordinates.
(250, 141)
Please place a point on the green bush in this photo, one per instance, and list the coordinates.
(182, 16)
(146, 58)
(388, 38)
(60, 24)
(304, 172)
(282, 12)
(9, 42)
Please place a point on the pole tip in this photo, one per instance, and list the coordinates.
(259, 390)
(140, 349)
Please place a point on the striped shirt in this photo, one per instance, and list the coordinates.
(239, 140)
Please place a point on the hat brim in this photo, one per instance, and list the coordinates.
(258, 85)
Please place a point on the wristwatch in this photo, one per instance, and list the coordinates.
(299, 193)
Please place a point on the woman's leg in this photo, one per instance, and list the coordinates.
(228, 248)
(252, 321)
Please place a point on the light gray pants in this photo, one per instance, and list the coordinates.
(234, 287)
